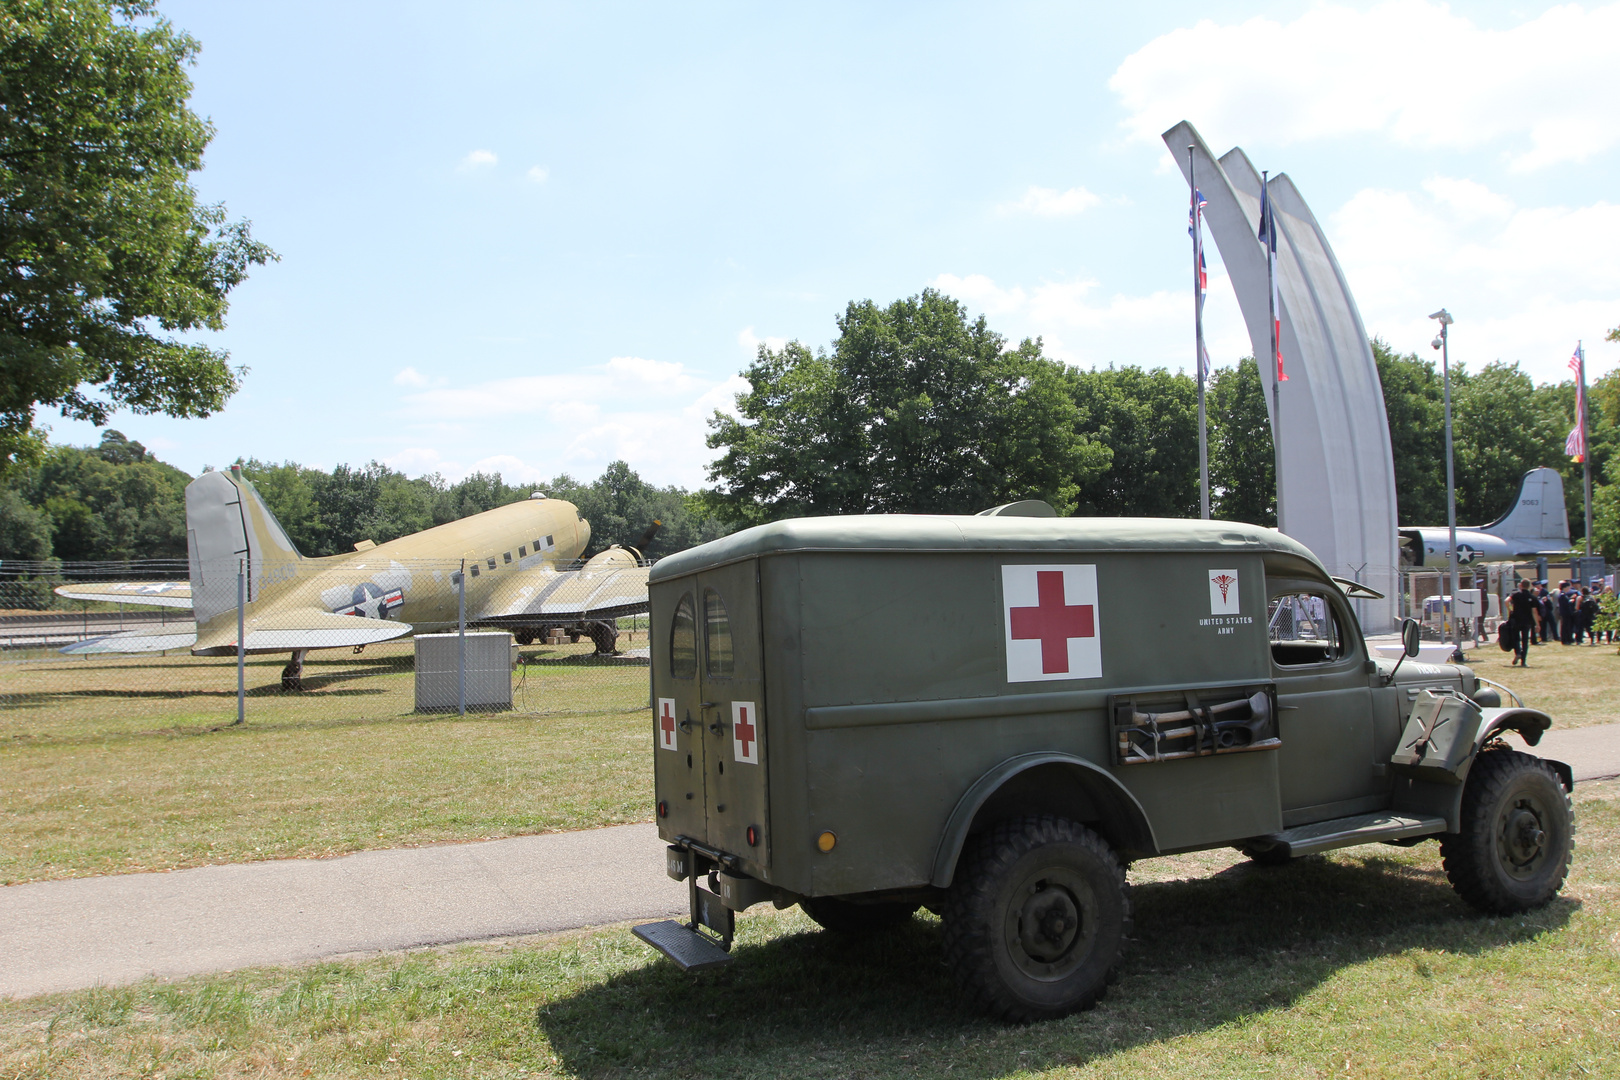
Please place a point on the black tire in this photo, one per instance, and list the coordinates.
(1036, 919)
(1517, 834)
(845, 917)
(1276, 855)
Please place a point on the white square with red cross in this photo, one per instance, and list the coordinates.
(666, 724)
(1050, 615)
(745, 732)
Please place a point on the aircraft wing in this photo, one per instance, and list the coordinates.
(149, 593)
(299, 628)
(545, 593)
(179, 635)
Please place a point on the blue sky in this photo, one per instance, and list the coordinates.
(535, 238)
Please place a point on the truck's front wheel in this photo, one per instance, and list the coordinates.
(1517, 835)
(1037, 918)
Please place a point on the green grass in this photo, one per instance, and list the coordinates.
(1361, 964)
(88, 786)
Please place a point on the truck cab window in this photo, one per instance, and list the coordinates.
(1303, 630)
(683, 640)
(716, 636)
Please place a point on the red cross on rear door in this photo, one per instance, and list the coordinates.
(1050, 614)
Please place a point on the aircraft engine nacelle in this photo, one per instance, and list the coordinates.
(614, 558)
(1411, 547)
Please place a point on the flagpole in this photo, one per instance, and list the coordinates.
(1269, 223)
(1198, 340)
(1586, 458)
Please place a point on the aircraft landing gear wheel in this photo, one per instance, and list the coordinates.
(843, 917)
(1037, 918)
(292, 676)
(1517, 837)
(603, 636)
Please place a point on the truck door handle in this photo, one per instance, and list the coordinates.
(717, 727)
(686, 725)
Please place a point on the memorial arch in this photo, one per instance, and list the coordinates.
(1336, 478)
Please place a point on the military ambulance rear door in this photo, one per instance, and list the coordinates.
(677, 697)
(735, 727)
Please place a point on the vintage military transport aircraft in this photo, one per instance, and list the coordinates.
(1536, 524)
(521, 563)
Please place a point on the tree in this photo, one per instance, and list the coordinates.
(1415, 405)
(914, 410)
(1242, 469)
(1503, 426)
(113, 502)
(104, 246)
(1148, 420)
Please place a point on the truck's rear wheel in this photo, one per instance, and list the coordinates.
(848, 917)
(1037, 918)
(1517, 834)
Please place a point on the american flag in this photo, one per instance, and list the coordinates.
(1575, 445)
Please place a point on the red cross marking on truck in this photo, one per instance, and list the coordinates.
(1054, 622)
(745, 731)
(666, 724)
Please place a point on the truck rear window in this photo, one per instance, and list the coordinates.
(683, 640)
(716, 635)
(1303, 630)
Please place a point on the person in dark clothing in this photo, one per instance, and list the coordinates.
(1522, 613)
(1566, 615)
(1549, 620)
(1587, 617)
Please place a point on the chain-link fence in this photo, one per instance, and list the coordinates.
(157, 645)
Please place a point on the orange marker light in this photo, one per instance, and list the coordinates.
(825, 842)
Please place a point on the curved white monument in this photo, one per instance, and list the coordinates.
(1336, 479)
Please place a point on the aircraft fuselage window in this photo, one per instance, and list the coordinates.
(522, 551)
(718, 659)
(492, 563)
(474, 569)
(1303, 630)
(507, 555)
(548, 541)
(683, 640)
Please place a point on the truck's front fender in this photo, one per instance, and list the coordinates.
(1123, 821)
(1529, 723)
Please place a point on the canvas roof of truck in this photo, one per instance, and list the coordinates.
(935, 533)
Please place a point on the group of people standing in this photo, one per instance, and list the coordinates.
(1569, 616)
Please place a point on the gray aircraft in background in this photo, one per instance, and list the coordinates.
(1536, 524)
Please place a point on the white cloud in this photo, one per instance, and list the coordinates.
(750, 342)
(477, 161)
(410, 377)
(1049, 202)
(538, 174)
(1081, 326)
(1523, 282)
(652, 413)
(647, 371)
(1413, 70)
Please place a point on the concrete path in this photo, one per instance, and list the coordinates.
(1593, 752)
(66, 935)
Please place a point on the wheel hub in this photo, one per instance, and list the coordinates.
(1521, 839)
(1048, 922)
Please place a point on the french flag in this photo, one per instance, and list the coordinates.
(1268, 240)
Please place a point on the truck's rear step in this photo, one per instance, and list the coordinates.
(689, 949)
(1360, 829)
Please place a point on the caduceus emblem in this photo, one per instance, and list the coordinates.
(1225, 581)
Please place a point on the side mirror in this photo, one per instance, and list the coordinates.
(1409, 636)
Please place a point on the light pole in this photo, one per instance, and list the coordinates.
(1442, 343)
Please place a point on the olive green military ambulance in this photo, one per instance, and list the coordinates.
(991, 716)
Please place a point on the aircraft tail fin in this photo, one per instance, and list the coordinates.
(228, 526)
(1538, 515)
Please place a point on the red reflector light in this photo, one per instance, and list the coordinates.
(663, 808)
(753, 836)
